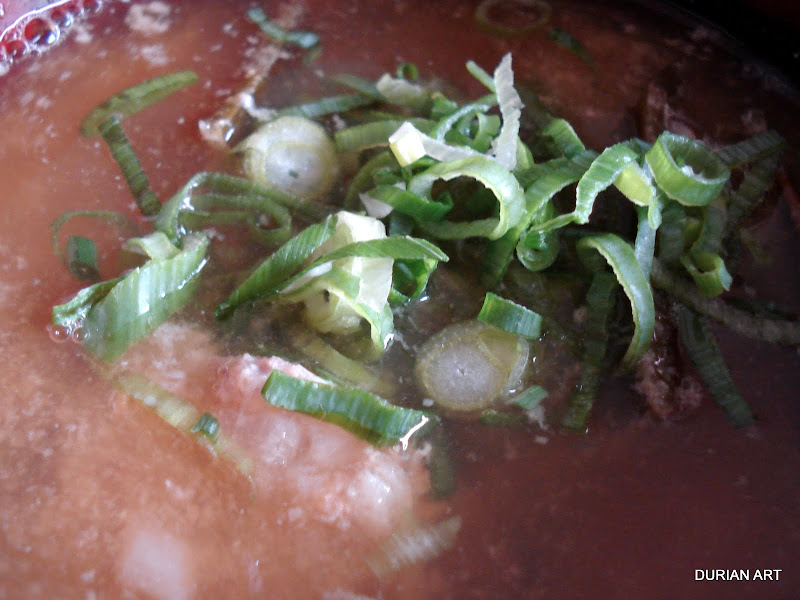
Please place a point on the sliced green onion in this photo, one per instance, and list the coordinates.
(510, 316)
(208, 426)
(686, 170)
(72, 314)
(325, 106)
(363, 179)
(602, 173)
(482, 76)
(376, 133)
(292, 154)
(363, 86)
(466, 111)
(269, 222)
(155, 246)
(143, 299)
(499, 181)
(408, 203)
(183, 416)
(600, 300)
(358, 411)
(409, 144)
(776, 331)
(413, 546)
(408, 71)
(136, 98)
(404, 93)
(468, 366)
(636, 184)
(409, 279)
(227, 191)
(708, 272)
(123, 222)
(622, 259)
(564, 137)
(303, 39)
(537, 12)
(340, 366)
(537, 250)
(529, 398)
(396, 247)
(756, 182)
(122, 152)
(752, 149)
(698, 340)
(81, 255)
(673, 233)
(559, 174)
(570, 42)
(703, 261)
(645, 244)
(279, 267)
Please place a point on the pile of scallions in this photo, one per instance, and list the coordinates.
(434, 174)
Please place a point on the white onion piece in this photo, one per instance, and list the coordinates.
(504, 146)
(409, 144)
(292, 154)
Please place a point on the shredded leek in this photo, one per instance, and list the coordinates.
(132, 100)
(698, 340)
(227, 191)
(184, 417)
(208, 426)
(414, 545)
(81, 255)
(276, 269)
(122, 222)
(510, 316)
(115, 314)
(122, 152)
(600, 300)
(622, 259)
(303, 39)
(354, 409)
(342, 368)
(499, 181)
(776, 331)
(686, 170)
(468, 366)
(568, 41)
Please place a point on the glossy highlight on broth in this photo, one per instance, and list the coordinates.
(101, 498)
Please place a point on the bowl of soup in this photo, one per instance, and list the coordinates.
(395, 300)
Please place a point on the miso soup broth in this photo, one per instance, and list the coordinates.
(103, 496)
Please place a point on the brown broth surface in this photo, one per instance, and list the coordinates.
(631, 510)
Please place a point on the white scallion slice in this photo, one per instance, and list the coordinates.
(468, 366)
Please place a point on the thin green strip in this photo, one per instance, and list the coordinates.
(622, 259)
(303, 39)
(510, 316)
(132, 100)
(121, 150)
(698, 341)
(362, 413)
